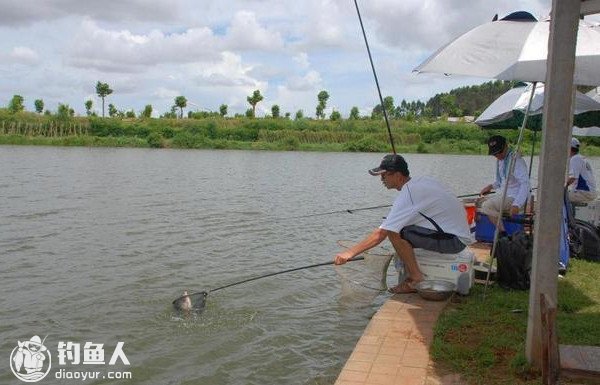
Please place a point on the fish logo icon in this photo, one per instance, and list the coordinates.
(30, 361)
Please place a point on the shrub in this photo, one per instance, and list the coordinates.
(155, 140)
(366, 144)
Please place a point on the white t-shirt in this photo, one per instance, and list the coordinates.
(580, 169)
(427, 195)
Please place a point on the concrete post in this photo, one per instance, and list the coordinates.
(556, 132)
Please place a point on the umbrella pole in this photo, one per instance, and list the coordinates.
(511, 169)
(531, 164)
(532, 150)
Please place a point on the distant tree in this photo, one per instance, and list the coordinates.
(203, 114)
(64, 111)
(322, 97)
(130, 114)
(335, 115)
(319, 112)
(448, 103)
(170, 115)
(181, 103)
(388, 103)
(275, 111)
(402, 109)
(299, 115)
(88, 107)
(354, 113)
(47, 113)
(16, 104)
(147, 113)
(249, 113)
(223, 110)
(287, 115)
(254, 100)
(39, 105)
(103, 90)
(112, 110)
(377, 112)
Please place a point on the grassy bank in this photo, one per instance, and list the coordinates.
(359, 135)
(484, 340)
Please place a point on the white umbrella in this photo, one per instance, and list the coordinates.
(514, 48)
(594, 94)
(508, 110)
(586, 131)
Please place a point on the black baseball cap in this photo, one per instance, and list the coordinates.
(391, 162)
(496, 144)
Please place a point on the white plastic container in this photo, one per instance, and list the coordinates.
(589, 213)
(455, 268)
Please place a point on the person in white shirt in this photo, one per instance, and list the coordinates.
(425, 214)
(518, 183)
(581, 180)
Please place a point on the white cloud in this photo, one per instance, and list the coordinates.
(123, 51)
(150, 51)
(229, 72)
(311, 81)
(426, 24)
(23, 55)
(166, 94)
(24, 12)
(302, 60)
(246, 33)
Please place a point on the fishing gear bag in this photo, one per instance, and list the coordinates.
(513, 255)
(584, 240)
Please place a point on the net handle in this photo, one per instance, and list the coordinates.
(283, 272)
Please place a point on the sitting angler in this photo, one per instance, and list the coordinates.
(425, 215)
(518, 182)
(581, 180)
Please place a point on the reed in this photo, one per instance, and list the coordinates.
(359, 135)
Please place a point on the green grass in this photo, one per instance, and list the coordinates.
(484, 340)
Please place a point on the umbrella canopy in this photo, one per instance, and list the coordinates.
(586, 131)
(508, 110)
(514, 48)
(594, 94)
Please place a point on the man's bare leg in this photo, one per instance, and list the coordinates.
(407, 254)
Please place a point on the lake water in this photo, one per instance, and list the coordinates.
(95, 244)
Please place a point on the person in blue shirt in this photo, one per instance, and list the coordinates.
(518, 183)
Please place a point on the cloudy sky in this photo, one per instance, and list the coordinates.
(218, 52)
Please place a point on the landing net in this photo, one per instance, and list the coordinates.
(362, 281)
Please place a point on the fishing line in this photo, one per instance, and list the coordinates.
(351, 211)
(387, 122)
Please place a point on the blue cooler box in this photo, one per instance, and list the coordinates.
(484, 229)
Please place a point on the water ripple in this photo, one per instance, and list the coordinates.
(96, 243)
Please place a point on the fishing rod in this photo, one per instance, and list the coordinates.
(387, 122)
(185, 302)
(351, 211)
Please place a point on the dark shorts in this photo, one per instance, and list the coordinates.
(428, 239)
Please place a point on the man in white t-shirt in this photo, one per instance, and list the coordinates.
(425, 214)
(581, 180)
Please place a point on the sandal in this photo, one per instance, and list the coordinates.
(405, 287)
